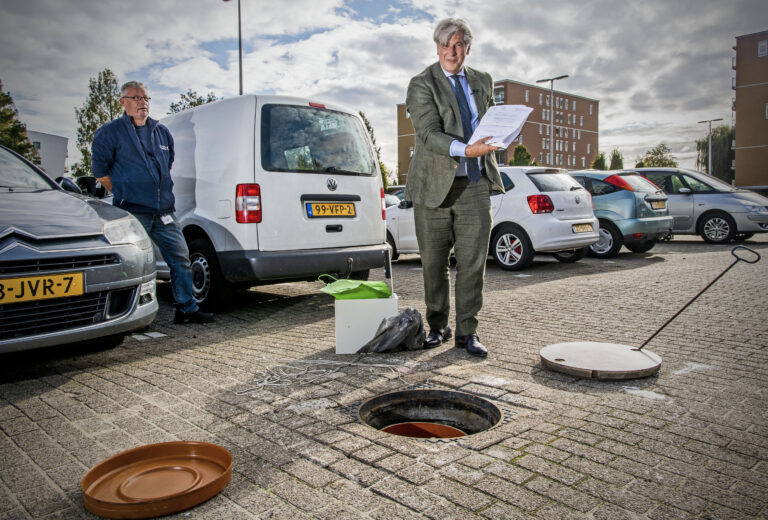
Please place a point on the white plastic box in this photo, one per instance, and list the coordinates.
(357, 321)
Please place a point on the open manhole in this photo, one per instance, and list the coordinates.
(441, 414)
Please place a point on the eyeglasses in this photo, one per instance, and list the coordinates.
(138, 98)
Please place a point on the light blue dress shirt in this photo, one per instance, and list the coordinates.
(458, 149)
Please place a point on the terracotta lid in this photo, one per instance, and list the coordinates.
(156, 479)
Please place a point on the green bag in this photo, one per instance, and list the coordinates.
(346, 289)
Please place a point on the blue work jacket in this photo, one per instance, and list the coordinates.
(136, 187)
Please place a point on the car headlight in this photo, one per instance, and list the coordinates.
(127, 230)
(756, 209)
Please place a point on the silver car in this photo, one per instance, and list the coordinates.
(72, 268)
(704, 205)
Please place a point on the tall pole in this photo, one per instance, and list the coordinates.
(551, 114)
(709, 133)
(239, 44)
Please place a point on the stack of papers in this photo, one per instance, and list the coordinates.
(503, 123)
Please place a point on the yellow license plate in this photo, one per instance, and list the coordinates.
(582, 228)
(658, 204)
(330, 209)
(32, 288)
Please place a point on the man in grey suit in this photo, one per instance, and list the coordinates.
(450, 184)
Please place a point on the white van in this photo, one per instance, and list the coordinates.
(272, 189)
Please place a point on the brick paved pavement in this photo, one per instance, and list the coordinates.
(691, 442)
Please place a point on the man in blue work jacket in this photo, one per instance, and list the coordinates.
(132, 157)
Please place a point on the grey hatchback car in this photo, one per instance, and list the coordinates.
(704, 205)
(71, 268)
(631, 211)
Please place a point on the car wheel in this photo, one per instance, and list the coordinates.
(743, 236)
(511, 248)
(209, 287)
(393, 255)
(571, 255)
(610, 241)
(641, 247)
(717, 228)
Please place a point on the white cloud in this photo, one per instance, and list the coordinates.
(656, 67)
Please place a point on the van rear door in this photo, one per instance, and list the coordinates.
(319, 182)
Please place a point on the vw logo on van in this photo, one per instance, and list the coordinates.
(332, 184)
(578, 199)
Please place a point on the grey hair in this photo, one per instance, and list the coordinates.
(131, 84)
(450, 26)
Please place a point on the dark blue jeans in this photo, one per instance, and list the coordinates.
(170, 241)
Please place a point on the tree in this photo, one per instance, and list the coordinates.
(13, 133)
(191, 99)
(598, 163)
(101, 106)
(658, 157)
(520, 156)
(369, 128)
(722, 153)
(617, 160)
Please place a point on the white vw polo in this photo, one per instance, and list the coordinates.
(544, 210)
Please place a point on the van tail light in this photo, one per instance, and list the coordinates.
(383, 206)
(616, 180)
(540, 204)
(248, 204)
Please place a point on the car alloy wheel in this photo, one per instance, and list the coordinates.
(718, 228)
(511, 248)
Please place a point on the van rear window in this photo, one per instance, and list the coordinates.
(307, 139)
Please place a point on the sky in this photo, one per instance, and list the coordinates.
(657, 67)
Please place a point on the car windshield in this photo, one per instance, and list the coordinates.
(547, 181)
(639, 183)
(16, 175)
(310, 139)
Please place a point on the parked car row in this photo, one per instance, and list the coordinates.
(635, 209)
(268, 189)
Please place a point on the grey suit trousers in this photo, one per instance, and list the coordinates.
(461, 222)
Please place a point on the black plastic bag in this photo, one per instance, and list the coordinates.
(402, 332)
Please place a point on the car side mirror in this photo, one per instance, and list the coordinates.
(684, 191)
(68, 185)
(405, 204)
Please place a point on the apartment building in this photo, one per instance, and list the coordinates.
(53, 152)
(750, 107)
(574, 125)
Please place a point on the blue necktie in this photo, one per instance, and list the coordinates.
(473, 171)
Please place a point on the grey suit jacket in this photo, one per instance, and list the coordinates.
(436, 119)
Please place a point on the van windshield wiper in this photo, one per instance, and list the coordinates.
(333, 169)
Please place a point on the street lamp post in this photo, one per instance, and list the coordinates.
(239, 44)
(709, 134)
(551, 114)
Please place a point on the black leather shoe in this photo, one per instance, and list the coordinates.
(472, 344)
(436, 337)
(193, 317)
